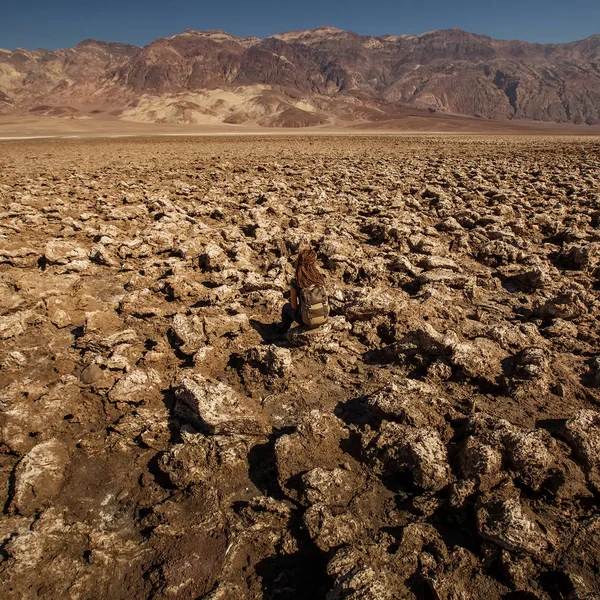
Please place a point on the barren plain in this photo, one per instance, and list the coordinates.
(17, 127)
(438, 438)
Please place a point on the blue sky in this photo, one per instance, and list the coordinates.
(64, 23)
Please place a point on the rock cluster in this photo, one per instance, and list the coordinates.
(438, 437)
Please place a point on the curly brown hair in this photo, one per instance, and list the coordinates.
(307, 271)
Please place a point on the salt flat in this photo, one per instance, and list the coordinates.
(439, 435)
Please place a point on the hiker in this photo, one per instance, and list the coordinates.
(308, 305)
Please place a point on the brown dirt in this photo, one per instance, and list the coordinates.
(438, 438)
(102, 124)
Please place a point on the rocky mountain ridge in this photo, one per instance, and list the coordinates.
(320, 76)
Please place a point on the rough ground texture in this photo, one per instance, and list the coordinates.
(438, 438)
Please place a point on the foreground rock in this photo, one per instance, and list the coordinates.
(39, 476)
(217, 409)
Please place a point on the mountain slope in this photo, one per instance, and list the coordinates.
(327, 74)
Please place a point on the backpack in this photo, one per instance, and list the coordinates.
(314, 306)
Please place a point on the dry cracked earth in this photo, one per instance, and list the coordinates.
(438, 438)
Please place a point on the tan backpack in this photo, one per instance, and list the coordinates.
(314, 306)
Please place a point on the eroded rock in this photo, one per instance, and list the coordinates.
(135, 387)
(418, 451)
(39, 477)
(218, 409)
(507, 523)
(582, 432)
(329, 530)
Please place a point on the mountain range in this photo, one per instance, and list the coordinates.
(306, 78)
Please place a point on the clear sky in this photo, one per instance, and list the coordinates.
(63, 23)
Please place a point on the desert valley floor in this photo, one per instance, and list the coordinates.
(438, 438)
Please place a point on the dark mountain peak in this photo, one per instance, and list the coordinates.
(119, 47)
(308, 36)
(207, 33)
(328, 28)
(454, 33)
(215, 35)
(90, 42)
